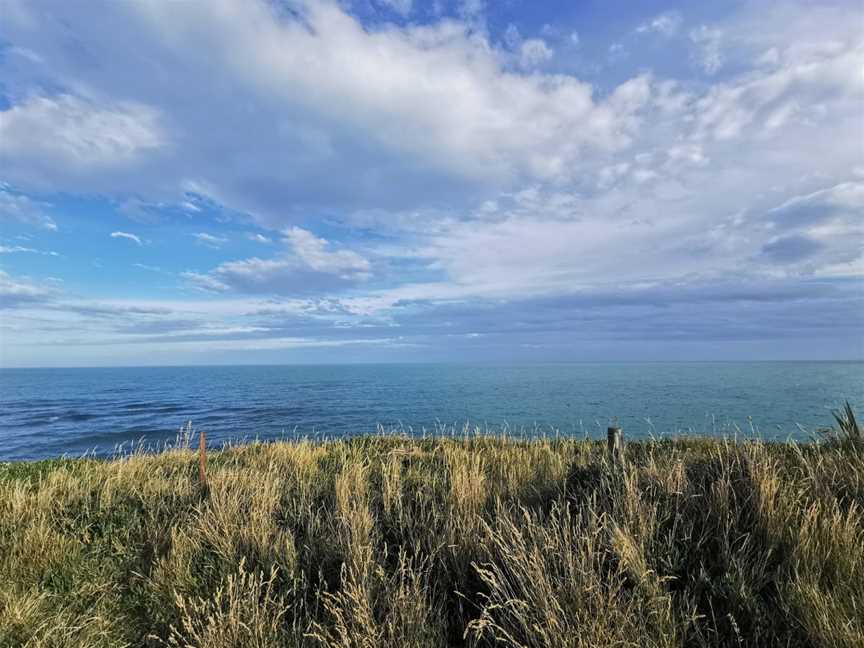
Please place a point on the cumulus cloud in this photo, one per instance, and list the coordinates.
(126, 235)
(313, 252)
(329, 98)
(790, 98)
(533, 52)
(496, 191)
(680, 203)
(308, 266)
(43, 138)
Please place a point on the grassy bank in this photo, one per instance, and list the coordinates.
(396, 542)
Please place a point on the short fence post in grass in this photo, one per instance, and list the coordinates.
(202, 460)
(615, 443)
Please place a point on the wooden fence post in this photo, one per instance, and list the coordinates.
(202, 460)
(615, 443)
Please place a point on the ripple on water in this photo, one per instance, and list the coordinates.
(77, 417)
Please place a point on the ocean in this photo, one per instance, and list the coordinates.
(54, 412)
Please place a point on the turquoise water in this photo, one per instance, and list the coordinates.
(50, 412)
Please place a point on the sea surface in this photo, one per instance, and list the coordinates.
(53, 412)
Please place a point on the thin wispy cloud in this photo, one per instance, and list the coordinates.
(209, 240)
(259, 238)
(20, 208)
(667, 24)
(708, 53)
(16, 249)
(149, 268)
(126, 235)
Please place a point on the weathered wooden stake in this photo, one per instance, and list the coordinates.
(615, 442)
(202, 459)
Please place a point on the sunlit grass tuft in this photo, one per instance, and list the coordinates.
(389, 541)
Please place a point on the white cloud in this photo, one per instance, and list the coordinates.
(205, 281)
(485, 183)
(528, 53)
(20, 208)
(846, 198)
(824, 229)
(325, 97)
(308, 266)
(708, 52)
(313, 252)
(15, 249)
(43, 319)
(258, 238)
(17, 291)
(533, 52)
(786, 97)
(667, 24)
(690, 199)
(769, 57)
(79, 135)
(650, 164)
(210, 240)
(128, 236)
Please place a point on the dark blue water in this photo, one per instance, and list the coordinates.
(51, 412)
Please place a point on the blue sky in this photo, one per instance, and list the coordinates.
(388, 180)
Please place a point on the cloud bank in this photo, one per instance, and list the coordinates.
(432, 176)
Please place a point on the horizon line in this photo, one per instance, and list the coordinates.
(439, 363)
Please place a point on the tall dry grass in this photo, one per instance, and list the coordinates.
(388, 541)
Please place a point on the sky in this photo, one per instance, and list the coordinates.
(295, 181)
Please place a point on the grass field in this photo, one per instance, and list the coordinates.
(387, 541)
